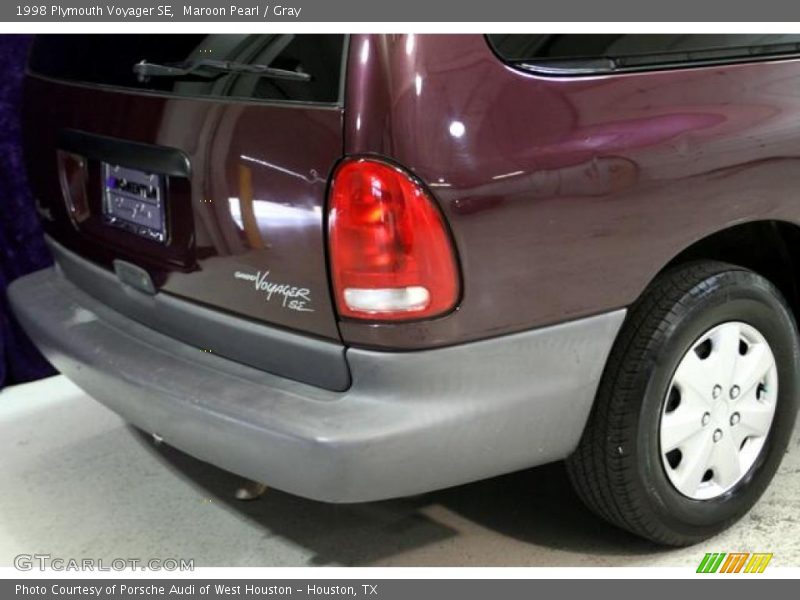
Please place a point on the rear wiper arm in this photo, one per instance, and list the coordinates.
(209, 68)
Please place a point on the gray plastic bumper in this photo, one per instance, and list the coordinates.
(410, 422)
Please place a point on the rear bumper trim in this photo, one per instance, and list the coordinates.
(268, 348)
(409, 423)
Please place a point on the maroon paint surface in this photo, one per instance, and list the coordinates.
(287, 152)
(565, 196)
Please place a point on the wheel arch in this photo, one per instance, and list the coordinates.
(769, 247)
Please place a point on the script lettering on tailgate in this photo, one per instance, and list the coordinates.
(291, 296)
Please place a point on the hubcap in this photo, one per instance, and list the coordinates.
(718, 410)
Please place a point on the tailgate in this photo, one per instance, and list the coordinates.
(213, 183)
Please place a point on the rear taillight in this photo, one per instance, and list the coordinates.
(391, 254)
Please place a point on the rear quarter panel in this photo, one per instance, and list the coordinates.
(567, 196)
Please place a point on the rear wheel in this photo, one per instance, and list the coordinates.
(696, 407)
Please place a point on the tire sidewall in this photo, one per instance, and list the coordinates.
(734, 295)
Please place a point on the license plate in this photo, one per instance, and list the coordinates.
(134, 201)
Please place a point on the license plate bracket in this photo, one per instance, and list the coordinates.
(134, 201)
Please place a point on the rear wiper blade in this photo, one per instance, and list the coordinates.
(209, 68)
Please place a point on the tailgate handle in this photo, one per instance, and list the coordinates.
(136, 155)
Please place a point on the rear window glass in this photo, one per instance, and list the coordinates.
(109, 60)
(620, 52)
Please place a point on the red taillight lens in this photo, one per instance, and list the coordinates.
(391, 255)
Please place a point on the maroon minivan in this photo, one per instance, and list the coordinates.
(369, 266)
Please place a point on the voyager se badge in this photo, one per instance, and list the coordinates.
(292, 296)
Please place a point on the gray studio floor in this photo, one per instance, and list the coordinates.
(75, 481)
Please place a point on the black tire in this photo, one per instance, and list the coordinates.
(617, 468)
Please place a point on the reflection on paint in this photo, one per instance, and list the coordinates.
(365, 52)
(310, 178)
(457, 129)
(410, 39)
(507, 175)
(274, 214)
(247, 215)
